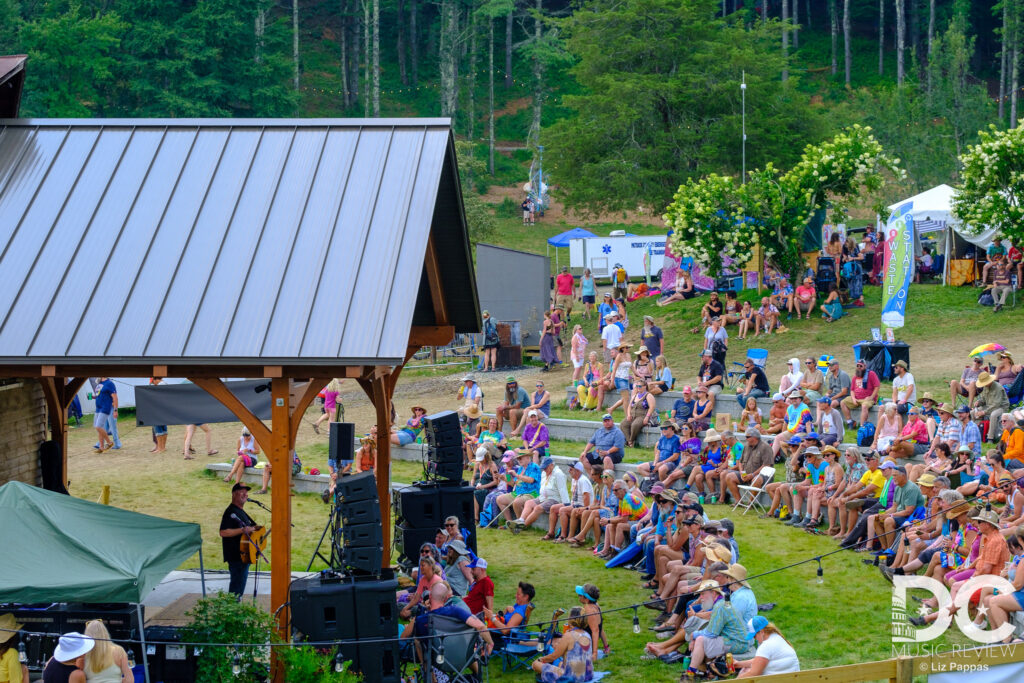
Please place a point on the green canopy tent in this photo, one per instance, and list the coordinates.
(63, 549)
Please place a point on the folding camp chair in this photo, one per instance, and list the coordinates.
(523, 644)
(453, 649)
(750, 495)
(759, 356)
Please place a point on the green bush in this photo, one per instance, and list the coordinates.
(307, 664)
(508, 207)
(221, 619)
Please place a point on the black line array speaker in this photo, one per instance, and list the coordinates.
(408, 540)
(451, 471)
(444, 439)
(342, 442)
(422, 511)
(441, 423)
(356, 487)
(447, 454)
(420, 506)
(359, 512)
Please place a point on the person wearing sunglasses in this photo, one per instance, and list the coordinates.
(451, 527)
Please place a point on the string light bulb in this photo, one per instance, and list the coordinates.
(636, 621)
(440, 653)
(236, 664)
(339, 662)
(131, 658)
(22, 655)
(821, 573)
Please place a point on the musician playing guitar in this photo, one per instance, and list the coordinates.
(235, 524)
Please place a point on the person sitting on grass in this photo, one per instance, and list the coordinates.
(782, 296)
(517, 614)
(552, 492)
(456, 567)
(574, 651)
(747, 320)
(600, 511)
(689, 615)
(589, 594)
(774, 654)
(832, 309)
(440, 604)
(666, 454)
(430, 574)
(565, 516)
(526, 486)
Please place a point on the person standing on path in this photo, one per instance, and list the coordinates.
(565, 288)
(106, 410)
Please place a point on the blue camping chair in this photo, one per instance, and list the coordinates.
(523, 644)
(453, 650)
(759, 356)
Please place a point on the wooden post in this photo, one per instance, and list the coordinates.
(58, 393)
(379, 388)
(279, 454)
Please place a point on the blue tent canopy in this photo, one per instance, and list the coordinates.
(563, 239)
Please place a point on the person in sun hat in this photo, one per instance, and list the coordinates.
(904, 388)
(774, 654)
(798, 419)
(15, 671)
(67, 662)
(526, 486)
(864, 387)
(412, 429)
(990, 404)
(725, 632)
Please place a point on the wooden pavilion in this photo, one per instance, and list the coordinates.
(292, 250)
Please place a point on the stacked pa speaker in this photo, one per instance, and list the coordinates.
(443, 435)
(329, 608)
(358, 526)
(420, 511)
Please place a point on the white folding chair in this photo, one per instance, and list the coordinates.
(750, 495)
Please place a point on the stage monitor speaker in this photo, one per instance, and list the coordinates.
(446, 454)
(446, 421)
(443, 439)
(323, 611)
(420, 506)
(377, 662)
(362, 535)
(409, 539)
(356, 487)
(342, 442)
(445, 470)
(360, 512)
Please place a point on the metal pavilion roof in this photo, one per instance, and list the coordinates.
(216, 241)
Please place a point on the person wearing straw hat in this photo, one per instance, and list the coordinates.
(709, 459)
(774, 654)
(990, 404)
(11, 670)
(412, 429)
(65, 666)
(725, 632)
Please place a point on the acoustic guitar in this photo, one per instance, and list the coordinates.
(250, 550)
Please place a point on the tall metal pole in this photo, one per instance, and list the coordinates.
(743, 98)
(540, 179)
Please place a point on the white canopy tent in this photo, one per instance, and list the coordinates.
(933, 217)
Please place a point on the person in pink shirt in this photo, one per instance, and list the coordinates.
(913, 439)
(331, 411)
(565, 288)
(805, 298)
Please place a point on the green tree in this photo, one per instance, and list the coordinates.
(993, 184)
(72, 62)
(10, 24)
(663, 102)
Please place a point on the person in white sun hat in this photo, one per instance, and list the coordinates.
(66, 665)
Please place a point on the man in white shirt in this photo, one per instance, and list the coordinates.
(611, 335)
(904, 391)
(553, 491)
(580, 498)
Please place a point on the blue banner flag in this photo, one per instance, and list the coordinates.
(898, 270)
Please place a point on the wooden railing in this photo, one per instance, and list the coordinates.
(903, 669)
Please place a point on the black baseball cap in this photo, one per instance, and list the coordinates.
(240, 487)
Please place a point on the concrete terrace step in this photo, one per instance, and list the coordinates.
(724, 402)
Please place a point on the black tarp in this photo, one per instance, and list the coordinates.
(184, 404)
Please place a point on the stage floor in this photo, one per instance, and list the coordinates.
(178, 593)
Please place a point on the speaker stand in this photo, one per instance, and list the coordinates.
(332, 528)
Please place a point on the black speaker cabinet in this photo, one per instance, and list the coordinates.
(344, 609)
(446, 421)
(444, 439)
(451, 471)
(420, 507)
(362, 535)
(360, 512)
(408, 541)
(168, 662)
(458, 501)
(446, 454)
(357, 487)
(377, 662)
(342, 443)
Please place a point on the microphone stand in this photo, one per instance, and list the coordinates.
(261, 505)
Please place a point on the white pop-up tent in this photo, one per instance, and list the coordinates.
(933, 218)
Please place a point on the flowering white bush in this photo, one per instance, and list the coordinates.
(716, 217)
(993, 184)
